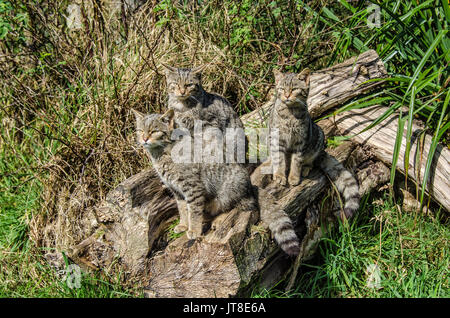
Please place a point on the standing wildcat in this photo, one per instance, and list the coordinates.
(301, 140)
(191, 102)
(198, 188)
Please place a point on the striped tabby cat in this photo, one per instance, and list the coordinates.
(302, 141)
(206, 188)
(199, 189)
(191, 102)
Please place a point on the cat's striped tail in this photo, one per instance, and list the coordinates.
(281, 227)
(344, 181)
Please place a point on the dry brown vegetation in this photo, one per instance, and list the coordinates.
(76, 87)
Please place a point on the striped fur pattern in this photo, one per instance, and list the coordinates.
(199, 189)
(344, 181)
(280, 226)
(303, 142)
(191, 102)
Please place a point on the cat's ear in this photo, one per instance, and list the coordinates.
(278, 75)
(198, 69)
(169, 118)
(304, 75)
(139, 116)
(169, 69)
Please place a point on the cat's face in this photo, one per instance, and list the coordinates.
(154, 130)
(183, 83)
(292, 87)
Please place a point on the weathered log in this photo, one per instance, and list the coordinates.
(335, 85)
(212, 267)
(382, 141)
(235, 252)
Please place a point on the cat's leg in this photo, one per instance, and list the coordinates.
(279, 167)
(308, 162)
(195, 206)
(296, 169)
(183, 210)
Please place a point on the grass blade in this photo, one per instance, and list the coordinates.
(409, 133)
(433, 146)
(425, 58)
(397, 146)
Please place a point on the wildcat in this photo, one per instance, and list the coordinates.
(213, 187)
(302, 141)
(200, 189)
(191, 102)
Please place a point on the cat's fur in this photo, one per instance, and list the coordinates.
(303, 142)
(199, 189)
(206, 188)
(279, 223)
(191, 102)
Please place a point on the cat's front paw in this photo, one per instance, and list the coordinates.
(192, 235)
(294, 180)
(180, 228)
(280, 179)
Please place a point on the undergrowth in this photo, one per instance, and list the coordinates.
(382, 252)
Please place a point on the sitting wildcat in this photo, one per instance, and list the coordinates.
(211, 188)
(197, 187)
(301, 140)
(191, 103)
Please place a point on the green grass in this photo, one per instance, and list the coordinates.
(23, 270)
(26, 274)
(412, 258)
